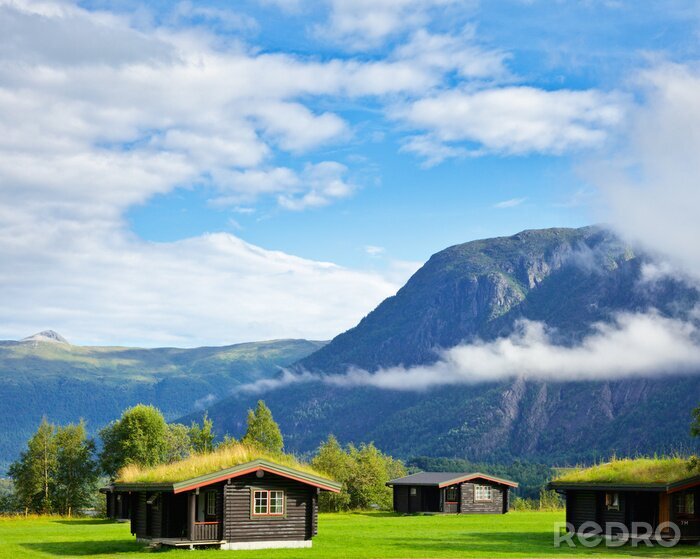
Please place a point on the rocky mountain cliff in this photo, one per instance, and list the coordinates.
(569, 279)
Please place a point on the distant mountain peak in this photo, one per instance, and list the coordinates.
(47, 336)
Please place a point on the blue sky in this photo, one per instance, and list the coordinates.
(210, 172)
(549, 45)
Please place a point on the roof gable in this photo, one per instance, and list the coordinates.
(444, 479)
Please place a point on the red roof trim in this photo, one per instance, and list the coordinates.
(478, 476)
(255, 469)
(685, 486)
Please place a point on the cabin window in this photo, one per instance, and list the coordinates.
(211, 503)
(483, 493)
(612, 501)
(414, 491)
(452, 494)
(685, 504)
(268, 503)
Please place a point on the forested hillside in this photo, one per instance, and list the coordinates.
(44, 375)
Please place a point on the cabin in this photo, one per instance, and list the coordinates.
(256, 504)
(451, 493)
(628, 492)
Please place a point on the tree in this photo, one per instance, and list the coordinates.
(262, 430)
(8, 497)
(363, 473)
(76, 472)
(33, 474)
(202, 438)
(227, 441)
(177, 442)
(333, 461)
(367, 480)
(695, 425)
(138, 437)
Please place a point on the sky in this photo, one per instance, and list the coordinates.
(191, 173)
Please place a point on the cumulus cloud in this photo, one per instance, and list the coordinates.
(324, 182)
(632, 345)
(511, 120)
(651, 183)
(87, 133)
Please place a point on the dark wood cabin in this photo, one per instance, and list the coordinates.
(255, 505)
(451, 492)
(627, 503)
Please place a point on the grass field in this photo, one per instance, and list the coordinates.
(352, 535)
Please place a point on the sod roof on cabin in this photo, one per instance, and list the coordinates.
(629, 471)
(229, 458)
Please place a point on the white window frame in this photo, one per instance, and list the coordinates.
(483, 493)
(264, 497)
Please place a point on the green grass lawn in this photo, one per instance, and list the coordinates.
(366, 535)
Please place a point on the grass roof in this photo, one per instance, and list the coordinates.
(631, 471)
(202, 464)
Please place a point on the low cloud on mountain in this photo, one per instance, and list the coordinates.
(633, 345)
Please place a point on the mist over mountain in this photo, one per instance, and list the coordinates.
(586, 302)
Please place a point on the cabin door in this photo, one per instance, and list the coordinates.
(643, 507)
(414, 499)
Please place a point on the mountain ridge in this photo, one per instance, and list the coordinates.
(573, 280)
(69, 382)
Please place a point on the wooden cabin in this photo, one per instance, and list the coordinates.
(451, 492)
(254, 505)
(652, 491)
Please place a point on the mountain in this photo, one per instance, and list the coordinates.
(46, 336)
(570, 279)
(45, 375)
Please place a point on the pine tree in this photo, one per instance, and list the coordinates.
(262, 430)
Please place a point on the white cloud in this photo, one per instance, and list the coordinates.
(86, 133)
(511, 203)
(362, 24)
(454, 52)
(633, 345)
(512, 120)
(323, 183)
(212, 289)
(651, 183)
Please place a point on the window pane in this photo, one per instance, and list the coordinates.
(482, 492)
(276, 502)
(211, 504)
(260, 505)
